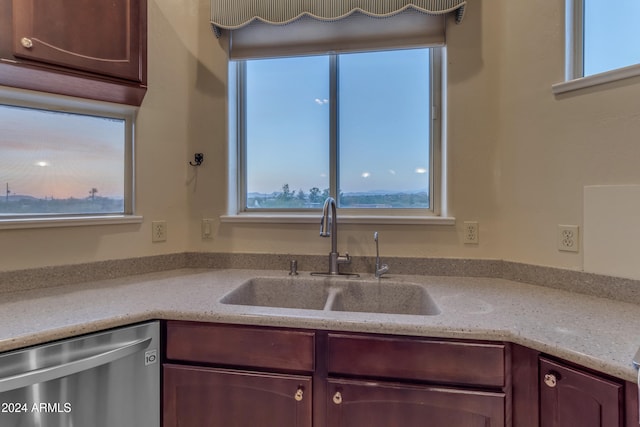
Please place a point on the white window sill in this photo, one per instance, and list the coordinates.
(68, 221)
(596, 79)
(281, 218)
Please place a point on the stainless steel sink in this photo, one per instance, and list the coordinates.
(334, 294)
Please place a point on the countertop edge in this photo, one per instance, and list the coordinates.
(127, 300)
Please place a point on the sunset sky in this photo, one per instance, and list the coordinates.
(60, 155)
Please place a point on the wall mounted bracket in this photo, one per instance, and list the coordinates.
(198, 158)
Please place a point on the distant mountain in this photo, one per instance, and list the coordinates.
(383, 192)
(353, 193)
(17, 197)
(256, 194)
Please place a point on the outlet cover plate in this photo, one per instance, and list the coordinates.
(158, 231)
(471, 233)
(568, 238)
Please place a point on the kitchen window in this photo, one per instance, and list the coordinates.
(64, 162)
(362, 127)
(601, 42)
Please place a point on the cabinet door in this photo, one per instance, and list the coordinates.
(196, 397)
(105, 37)
(367, 404)
(572, 398)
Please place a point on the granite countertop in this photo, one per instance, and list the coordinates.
(595, 332)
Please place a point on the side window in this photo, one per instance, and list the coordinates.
(611, 40)
(357, 126)
(62, 163)
(601, 43)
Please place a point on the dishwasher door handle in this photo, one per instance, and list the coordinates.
(58, 371)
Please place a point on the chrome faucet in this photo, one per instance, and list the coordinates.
(329, 228)
(380, 268)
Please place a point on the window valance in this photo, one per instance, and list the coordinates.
(234, 14)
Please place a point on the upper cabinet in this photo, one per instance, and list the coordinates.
(95, 49)
(98, 36)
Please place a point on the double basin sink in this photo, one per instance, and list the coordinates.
(334, 294)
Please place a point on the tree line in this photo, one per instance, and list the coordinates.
(71, 205)
(291, 199)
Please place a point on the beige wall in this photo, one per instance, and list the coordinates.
(552, 146)
(518, 156)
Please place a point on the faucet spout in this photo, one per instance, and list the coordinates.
(329, 224)
(329, 228)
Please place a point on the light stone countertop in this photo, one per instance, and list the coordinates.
(595, 332)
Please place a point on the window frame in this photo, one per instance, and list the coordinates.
(436, 213)
(574, 55)
(64, 104)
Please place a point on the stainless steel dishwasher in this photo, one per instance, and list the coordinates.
(106, 379)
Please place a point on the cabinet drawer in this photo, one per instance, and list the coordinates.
(244, 346)
(417, 359)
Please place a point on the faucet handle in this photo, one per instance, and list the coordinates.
(384, 268)
(345, 259)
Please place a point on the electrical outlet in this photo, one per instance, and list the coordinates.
(471, 234)
(568, 238)
(158, 231)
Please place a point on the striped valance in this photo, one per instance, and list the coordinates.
(233, 14)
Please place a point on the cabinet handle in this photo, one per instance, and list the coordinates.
(26, 42)
(337, 398)
(299, 394)
(551, 379)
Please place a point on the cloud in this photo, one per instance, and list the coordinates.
(321, 101)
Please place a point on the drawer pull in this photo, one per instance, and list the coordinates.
(26, 42)
(551, 379)
(299, 394)
(337, 398)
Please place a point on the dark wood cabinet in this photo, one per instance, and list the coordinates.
(554, 393)
(95, 49)
(369, 404)
(243, 376)
(571, 397)
(381, 381)
(197, 396)
(237, 376)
